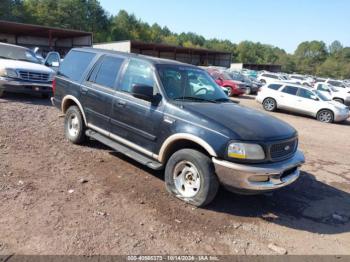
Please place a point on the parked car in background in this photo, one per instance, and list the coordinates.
(303, 80)
(336, 83)
(22, 72)
(252, 86)
(266, 78)
(147, 109)
(223, 79)
(340, 95)
(299, 99)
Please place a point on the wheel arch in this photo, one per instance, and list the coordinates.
(339, 98)
(181, 141)
(328, 109)
(69, 101)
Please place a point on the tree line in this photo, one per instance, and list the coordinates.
(310, 57)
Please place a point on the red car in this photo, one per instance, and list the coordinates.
(235, 88)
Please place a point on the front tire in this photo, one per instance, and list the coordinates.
(270, 104)
(74, 126)
(325, 116)
(190, 176)
(229, 90)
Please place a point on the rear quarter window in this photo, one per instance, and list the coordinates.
(75, 64)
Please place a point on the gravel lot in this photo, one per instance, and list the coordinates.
(57, 198)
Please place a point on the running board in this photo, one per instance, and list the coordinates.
(142, 159)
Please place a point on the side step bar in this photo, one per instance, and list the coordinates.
(149, 162)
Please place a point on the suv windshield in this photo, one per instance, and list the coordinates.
(17, 53)
(189, 83)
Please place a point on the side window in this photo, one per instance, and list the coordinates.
(305, 93)
(75, 64)
(138, 72)
(322, 87)
(107, 71)
(292, 90)
(52, 58)
(271, 76)
(274, 86)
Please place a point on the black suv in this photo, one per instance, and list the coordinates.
(166, 114)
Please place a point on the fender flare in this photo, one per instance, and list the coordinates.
(184, 136)
(76, 101)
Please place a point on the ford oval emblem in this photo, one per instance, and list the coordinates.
(287, 148)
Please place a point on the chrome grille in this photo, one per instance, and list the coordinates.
(283, 150)
(34, 76)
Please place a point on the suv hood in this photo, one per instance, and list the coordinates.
(240, 122)
(28, 66)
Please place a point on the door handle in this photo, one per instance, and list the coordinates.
(84, 89)
(121, 103)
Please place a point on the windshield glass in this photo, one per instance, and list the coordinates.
(14, 53)
(322, 96)
(189, 83)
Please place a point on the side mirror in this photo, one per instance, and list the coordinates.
(315, 98)
(143, 92)
(55, 64)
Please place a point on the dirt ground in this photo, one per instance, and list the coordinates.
(58, 198)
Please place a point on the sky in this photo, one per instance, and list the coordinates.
(282, 23)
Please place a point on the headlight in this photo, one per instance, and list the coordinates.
(6, 72)
(246, 151)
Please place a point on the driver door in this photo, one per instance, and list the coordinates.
(132, 118)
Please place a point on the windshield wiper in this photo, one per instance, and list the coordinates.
(223, 99)
(195, 99)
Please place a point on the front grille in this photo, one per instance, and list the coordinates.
(34, 76)
(283, 150)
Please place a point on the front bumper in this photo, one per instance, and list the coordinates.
(259, 178)
(24, 87)
(341, 116)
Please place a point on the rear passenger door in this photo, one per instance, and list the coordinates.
(98, 90)
(135, 119)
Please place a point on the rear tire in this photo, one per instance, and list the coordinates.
(190, 176)
(270, 104)
(74, 126)
(325, 116)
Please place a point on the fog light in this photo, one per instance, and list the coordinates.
(259, 179)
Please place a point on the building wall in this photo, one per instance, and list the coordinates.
(124, 46)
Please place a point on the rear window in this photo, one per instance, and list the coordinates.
(75, 64)
(292, 90)
(274, 86)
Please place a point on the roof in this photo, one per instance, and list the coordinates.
(8, 27)
(168, 47)
(153, 60)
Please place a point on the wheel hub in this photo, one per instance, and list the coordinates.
(73, 125)
(186, 178)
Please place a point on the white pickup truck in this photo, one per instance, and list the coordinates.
(22, 72)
